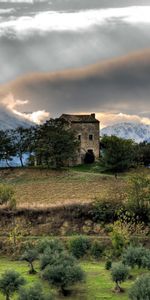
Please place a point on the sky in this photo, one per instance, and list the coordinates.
(75, 56)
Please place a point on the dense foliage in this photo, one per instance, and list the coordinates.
(10, 282)
(50, 144)
(34, 292)
(79, 246)
(118, 154)
(141, 288)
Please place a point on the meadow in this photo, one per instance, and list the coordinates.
(46, 188)
(98, 284)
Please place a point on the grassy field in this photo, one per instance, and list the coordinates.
(45, 188)
(98, 285)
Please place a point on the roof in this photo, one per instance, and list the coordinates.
(80, 118)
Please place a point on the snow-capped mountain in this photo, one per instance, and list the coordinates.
(11, 121)
(135, 131)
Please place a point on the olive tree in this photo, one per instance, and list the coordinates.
(119, 273)
(30, 255)
(63, 272)
(133, 256)
(10, 282)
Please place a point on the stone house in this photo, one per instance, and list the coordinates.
(87, 129)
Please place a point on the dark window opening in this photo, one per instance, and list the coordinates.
(91, 137)
(79, 137)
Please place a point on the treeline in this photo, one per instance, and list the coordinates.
(50, 144)
(118, 154)
(54, 144)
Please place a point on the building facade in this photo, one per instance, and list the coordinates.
(87, 129)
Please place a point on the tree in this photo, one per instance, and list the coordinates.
(63, 272)
(133, 256)
(118, 154)
(30, 255)
(55, 143)
(6, 147)
(141, 288)
(34, 292)
(50, 250)
(10, 282)
(144, 153)
(79, 246)
(119, 273)
(21, 139)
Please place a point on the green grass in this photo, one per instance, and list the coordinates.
(98, 284)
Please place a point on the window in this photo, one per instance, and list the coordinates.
(79, 137)
(91, 137)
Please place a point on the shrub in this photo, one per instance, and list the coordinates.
(97, 249)
(34, 292)
(7, 195)
(52, 244)
(146, 259)
(105, 211)
(119, 273)
(79, 246)
(30, 255)
(108, 264)
(141, 288)
(10, 283)
(63, 273)
(50, 258)
(133, 256)
(139, 197)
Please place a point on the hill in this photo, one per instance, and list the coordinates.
(11, 121)
(136, 131)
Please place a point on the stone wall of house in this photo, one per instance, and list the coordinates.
(85, 130)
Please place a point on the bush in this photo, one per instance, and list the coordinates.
(79, 246)
(34, 292)
(119, 273)
(108, 264)
(7, 195)
(141, 288)
(105, 211)
(54, 245)
(63, 273)
(146, 259)
(133, 256)
(10, 283)
(97, 249)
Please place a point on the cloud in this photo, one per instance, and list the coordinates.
(10, 104)
(23, 1)
(6, 11)
(48, 21)
(108, 118)
(119, 87)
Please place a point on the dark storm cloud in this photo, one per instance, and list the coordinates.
(60, 50)
(117, 85)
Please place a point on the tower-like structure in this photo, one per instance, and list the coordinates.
(87, 129)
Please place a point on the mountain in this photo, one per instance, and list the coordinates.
(11, 121)
(136, 131)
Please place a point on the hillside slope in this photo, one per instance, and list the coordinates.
(136, 131)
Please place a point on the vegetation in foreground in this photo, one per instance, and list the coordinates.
(98, 285)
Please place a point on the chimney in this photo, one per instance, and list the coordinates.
(93, 116)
